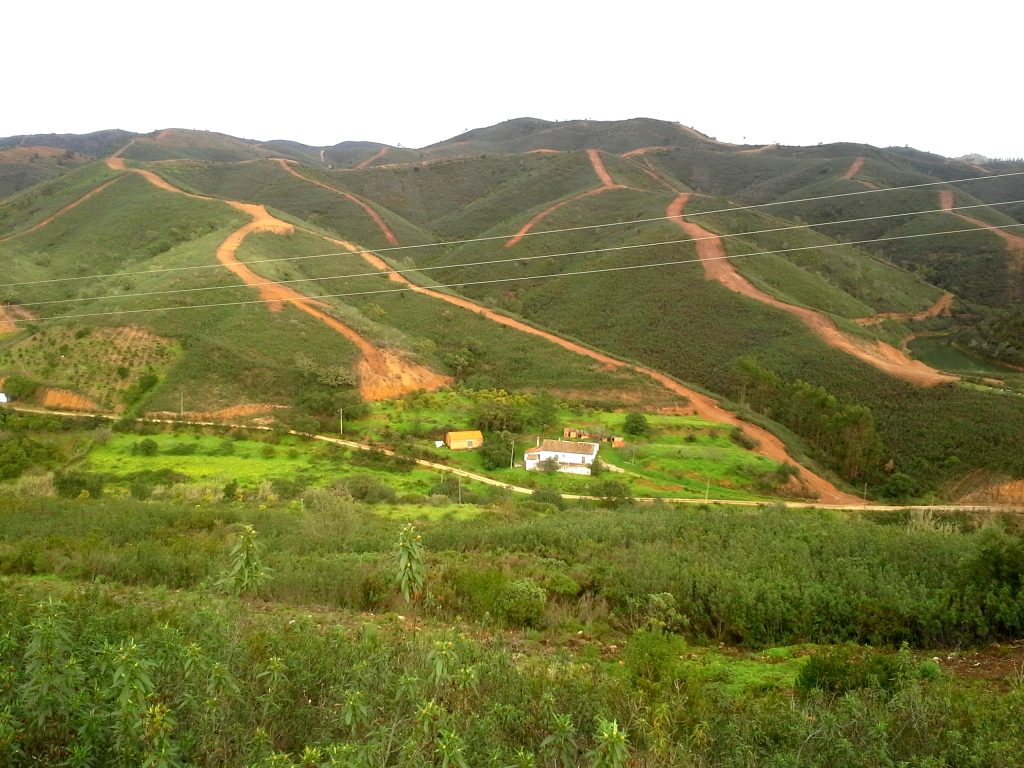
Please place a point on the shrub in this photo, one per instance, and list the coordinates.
(71, 485)
(548, 496)
(147, 447)
(841, 668)
(369, 489)
(635, 424)
(522, 602)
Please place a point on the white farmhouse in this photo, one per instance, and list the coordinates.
(4, 398)
(575, 458)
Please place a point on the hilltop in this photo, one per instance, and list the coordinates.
(288, 281)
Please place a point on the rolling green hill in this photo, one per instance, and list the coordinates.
(116, 243)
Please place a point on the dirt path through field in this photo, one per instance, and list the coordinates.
(942, 307)
(768, 444)
(1014, 242)
(853, 170)
(382, 373)
(377, 219)
(882, 356)
(70, 206)
(607, 182)
(371, 160)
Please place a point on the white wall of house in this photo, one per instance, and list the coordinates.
(575, 463)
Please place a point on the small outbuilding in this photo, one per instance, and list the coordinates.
(464, 441)
(574, 458)
(4, 398)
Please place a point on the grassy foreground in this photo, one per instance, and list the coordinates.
(226, 633)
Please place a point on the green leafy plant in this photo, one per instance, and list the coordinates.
(247, 573)
(411, 569)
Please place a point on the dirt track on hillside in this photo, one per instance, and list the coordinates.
(70, 206)
(377, 219)
(882, 356)
(943, 307)
(607, 182)
(704, 406)
(371, 160)
(1014, 242)
(853, 170)
(382, 374)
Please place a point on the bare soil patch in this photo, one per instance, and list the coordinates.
(853, 170)
(882, 356)
(25, 154)
(1001, 493)
(6, 322)
(65, 400)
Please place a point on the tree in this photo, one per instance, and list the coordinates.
(635, 424)
(496, 452)
(612, 493)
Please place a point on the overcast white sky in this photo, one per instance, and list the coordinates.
(413, 73)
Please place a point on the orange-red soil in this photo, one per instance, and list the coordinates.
(370, 160)
(875, 353)
(854, 169)
(6, 321)
(382, 373)
(942, 307)
(62, 399)
(70, 206)
(377, 219)
(1014, 242)
(1004, 493)
(606, 183)
(768, 444)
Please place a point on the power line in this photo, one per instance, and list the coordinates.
(380, 273)
(487, 238)
(578, 273)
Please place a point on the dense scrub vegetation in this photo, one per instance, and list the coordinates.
(105, 664)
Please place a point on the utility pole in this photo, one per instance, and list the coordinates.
(512, 458)
(181, 404)
(707, 491)
(341, 422)
(458, 480)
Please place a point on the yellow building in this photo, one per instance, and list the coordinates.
(464, 441)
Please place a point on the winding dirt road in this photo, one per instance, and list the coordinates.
(943, 307)
(607, 182)
(880, 355)
(382, 373)
(1014, 242)
(377, 218)
(371, 160)
(768, 444)
(70, 206)
(853, 170)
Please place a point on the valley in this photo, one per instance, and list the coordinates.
(232, 531)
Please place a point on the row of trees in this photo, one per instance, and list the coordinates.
(844, 433)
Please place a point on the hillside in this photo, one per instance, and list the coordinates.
(210, 266)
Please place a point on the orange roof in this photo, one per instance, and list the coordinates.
(475, 434)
